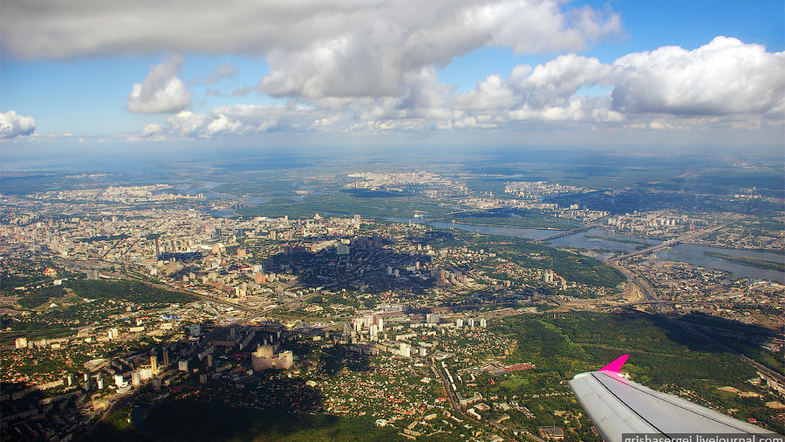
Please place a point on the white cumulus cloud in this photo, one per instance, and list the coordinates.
(185, 124)
(243, 120)
(13, 125)
(315, 48)
(723, 84)
(161, 91)
(722, 77)
(374, 55)
(547, 92)
(558, 80)
(152, 130)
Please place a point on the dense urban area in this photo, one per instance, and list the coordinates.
(377, 306)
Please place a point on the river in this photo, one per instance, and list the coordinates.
(689, 253)
(693, 254)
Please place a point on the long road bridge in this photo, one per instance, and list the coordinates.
(666, 244)
(648, 251)
(562, 234)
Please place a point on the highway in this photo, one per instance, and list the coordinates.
(644, 288)
(563, 234)
(210, 297)
(670, 243)
(650, 297)
(447, 387)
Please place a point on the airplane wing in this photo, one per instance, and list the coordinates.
(618, 406)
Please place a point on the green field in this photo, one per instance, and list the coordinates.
(131, 291)
(60, 309)
(661, 352)
(749, 262)
(210, 422)
(573, 267)
(578, 268)
(344, 204)
(508, 218)
(662, 356)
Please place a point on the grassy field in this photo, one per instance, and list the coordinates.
(662, 356)
(508, 218)
(747, 261)
(345, 204)
(199, 421)
(117, 428)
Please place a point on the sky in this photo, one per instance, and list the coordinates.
(97, 75)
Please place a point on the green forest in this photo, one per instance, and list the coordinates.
(131, 291)
(200, 421)
(662, 356)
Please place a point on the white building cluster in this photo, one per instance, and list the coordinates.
(265, 358)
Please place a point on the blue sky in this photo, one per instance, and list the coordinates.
(648, 25)
(311, 70)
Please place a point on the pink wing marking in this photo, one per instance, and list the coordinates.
(616, 365)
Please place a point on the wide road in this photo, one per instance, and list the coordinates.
(670, 243)
(447, 387)
(210, 297)
(650, 295)
(643, 286)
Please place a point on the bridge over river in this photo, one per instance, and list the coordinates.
(670, 243)
(563, 234)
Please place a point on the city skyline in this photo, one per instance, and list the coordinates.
(97, 76)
